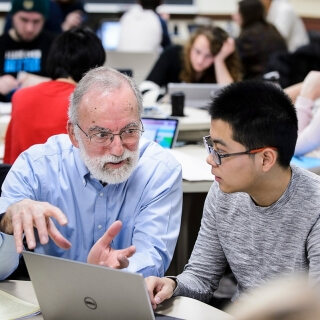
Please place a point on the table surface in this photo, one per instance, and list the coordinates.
(181, 307)
(194, 119)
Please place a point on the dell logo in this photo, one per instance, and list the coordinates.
(90, 303)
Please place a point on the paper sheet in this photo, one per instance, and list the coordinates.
(14, 308)
(193, 162)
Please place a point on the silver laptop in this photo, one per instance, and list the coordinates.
(197, 95)
(73, 290)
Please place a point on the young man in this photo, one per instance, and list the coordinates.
(261, 215)
(74, 188)
(25, 46)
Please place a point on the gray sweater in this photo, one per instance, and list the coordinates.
(259, 243)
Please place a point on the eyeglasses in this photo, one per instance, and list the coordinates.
(217, 156)
(130, 135)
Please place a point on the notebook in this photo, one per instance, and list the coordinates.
(197, 95)
(73, 290)
(109, 33)
(161, 130)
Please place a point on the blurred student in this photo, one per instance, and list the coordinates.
(285, 298)
(63, 15)
(40, 111)
(24, 47)
(261, 215)
(143, 29)
(208, 57)
(282, 15)
(258, 39)
(308, 112)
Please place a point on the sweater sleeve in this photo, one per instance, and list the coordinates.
(309, 129)
(207, 263)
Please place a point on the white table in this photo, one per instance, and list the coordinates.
(181, 307)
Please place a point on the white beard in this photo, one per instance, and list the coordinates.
(96, 165)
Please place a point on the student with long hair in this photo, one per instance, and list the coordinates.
(209, 56)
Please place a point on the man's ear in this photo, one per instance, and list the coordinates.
(269, 158)
(72, 135)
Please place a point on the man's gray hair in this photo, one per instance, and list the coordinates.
(105, 79)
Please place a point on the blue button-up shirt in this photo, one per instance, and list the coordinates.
(149, 204)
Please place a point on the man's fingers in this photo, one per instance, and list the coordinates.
(110, 234)
(24, 224)
(18, 235)
(128, 252)
(57, 237)
(124, 255)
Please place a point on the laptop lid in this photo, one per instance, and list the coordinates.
(161, 130)
(109, 33)
(68, 289)
(197, 95)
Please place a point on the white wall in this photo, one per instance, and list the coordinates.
(216, 6)
(305, 8)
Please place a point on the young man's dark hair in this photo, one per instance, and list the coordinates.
(74, 53)
(270, 122)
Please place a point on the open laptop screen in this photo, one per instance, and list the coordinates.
(162, 131)
(197, 95)
(109, 32)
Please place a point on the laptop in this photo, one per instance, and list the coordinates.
(197, 95)
(161, 130)
(139, 62)
(72, 290)
(109, 33)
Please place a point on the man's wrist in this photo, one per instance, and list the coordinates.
(174, 280)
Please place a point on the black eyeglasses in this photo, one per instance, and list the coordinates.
(130, 135)
(217, 156)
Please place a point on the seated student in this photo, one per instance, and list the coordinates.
(63, 15)
(24, 47)
(208, 57)
(70, 196)
(41, 111)
(258, 39)
(261, 215)
(142, 29)
(283, 16)
(308, 115)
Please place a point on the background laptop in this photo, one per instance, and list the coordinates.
(161, 130)
(197, 95)
(67, 289)
(109, 33)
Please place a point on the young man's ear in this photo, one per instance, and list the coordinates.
(269, 158)
(72, 135)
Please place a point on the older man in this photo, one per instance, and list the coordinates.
(25, 46)
(74, 188)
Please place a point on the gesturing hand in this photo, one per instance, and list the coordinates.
(22, 217)
(102, 253)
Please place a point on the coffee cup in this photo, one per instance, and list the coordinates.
(177, 103)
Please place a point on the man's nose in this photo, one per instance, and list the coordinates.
(211, 161)
(116, 146)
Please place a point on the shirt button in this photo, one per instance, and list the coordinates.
(99, 226)
(101, 194)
